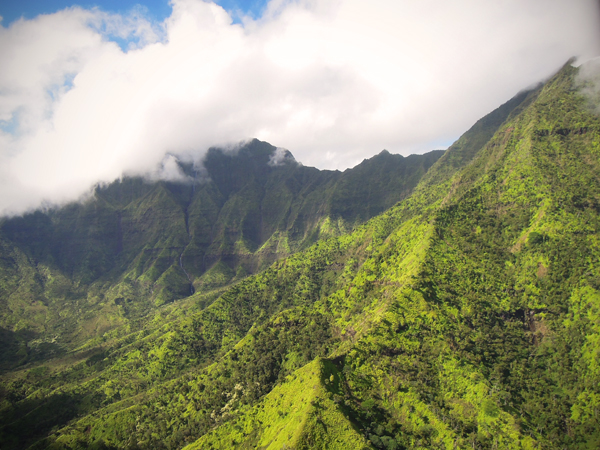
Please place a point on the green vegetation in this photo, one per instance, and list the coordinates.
(76, 272)
(299, 413)
(465, 316)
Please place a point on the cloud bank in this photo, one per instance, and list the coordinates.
(334, 82)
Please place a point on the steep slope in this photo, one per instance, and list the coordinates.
(466, 316)
(79, 271)
(321, 302)
(484, 329)
(299, 413)
(489, 344)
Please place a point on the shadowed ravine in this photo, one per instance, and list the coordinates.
(187, 230)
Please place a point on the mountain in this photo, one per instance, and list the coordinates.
(75, 272)
(465, 316)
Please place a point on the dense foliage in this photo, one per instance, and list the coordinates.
(465, 316)
(76, 272)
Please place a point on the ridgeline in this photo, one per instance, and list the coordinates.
(464, 313)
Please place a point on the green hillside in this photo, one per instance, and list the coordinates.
(299, 413)
(76, 272)
(465, 316)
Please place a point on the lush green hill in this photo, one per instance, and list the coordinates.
(75, 272)
(465, 316)
(298, 413)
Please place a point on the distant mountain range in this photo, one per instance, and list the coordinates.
(436, 301)
(77, 271)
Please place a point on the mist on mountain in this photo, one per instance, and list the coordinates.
(79, 107)
(588, 81)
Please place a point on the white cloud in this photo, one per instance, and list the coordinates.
(170, 170)
(335, 82)
(280, 156)
(588, 80)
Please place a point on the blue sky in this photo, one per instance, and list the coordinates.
(12, 10)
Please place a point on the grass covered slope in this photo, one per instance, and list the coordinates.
(299, 413)
(466, 316)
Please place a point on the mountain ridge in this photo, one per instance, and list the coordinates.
(464, 316)
(136, 245)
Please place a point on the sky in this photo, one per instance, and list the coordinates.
(95, 90)
(157, 10)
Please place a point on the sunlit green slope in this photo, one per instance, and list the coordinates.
(299, 413)
(466, 316)
(491, 343)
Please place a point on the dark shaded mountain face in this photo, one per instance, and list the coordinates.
(467, 315)
(80, 270)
